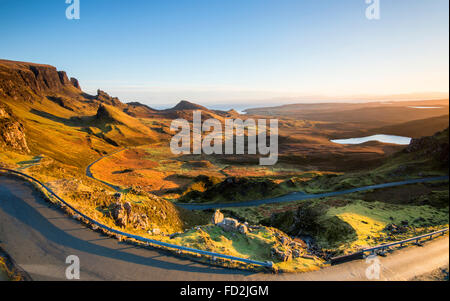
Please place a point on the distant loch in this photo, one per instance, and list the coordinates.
(380, 138)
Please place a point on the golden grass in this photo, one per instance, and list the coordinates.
(255, 245)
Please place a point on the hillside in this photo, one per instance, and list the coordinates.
(366, 115)
(63, 122)
(52, 130)
(415, 128)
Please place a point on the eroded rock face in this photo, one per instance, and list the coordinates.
(75, 83)
(217, 217)
(118, 213)
(12, 132)
(123, 216)
(104, 97)
(63, 78)
(22, 81)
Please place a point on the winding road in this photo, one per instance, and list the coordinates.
(298, 196)
(40, 238)
(295, 196)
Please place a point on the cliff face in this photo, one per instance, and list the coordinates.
(12, 133)
(104, 98)
(24, 80)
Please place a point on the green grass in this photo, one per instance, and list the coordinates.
(368, 219)
(255, 246)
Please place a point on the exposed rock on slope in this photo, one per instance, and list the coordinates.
(104, 97)
(75, 83)
(12, 133)
(436, 146)
(24, 80)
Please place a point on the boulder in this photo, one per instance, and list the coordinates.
(243, 229)
(229, 224)
(118, 213)
(217, 217)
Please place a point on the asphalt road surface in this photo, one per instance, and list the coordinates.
(40, 239)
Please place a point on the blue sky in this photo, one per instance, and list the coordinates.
(235, 51)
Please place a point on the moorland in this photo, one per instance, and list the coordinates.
(52, 130)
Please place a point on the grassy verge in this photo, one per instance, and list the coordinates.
(9, 271)
(4, 275)
(343, 226)
(370, 219)
(255, 245)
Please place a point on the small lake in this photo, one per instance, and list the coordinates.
(380, 138)
(424, 107)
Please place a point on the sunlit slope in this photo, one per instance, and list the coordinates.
(121, 128)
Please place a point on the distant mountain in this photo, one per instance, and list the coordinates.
(374, 114)
(185, 105)
(184, 109)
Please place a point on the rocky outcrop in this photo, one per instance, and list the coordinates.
(63, 78)
(105, 115)
(124, 216)
(217, 217)
(104, 97)
(20, 80)
(12, 132)
(75, 83)
(436, 146)
(288, 249)
(229, 224)
(281, 254)
(422, 144)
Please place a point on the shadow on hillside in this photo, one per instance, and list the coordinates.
(72, 122)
